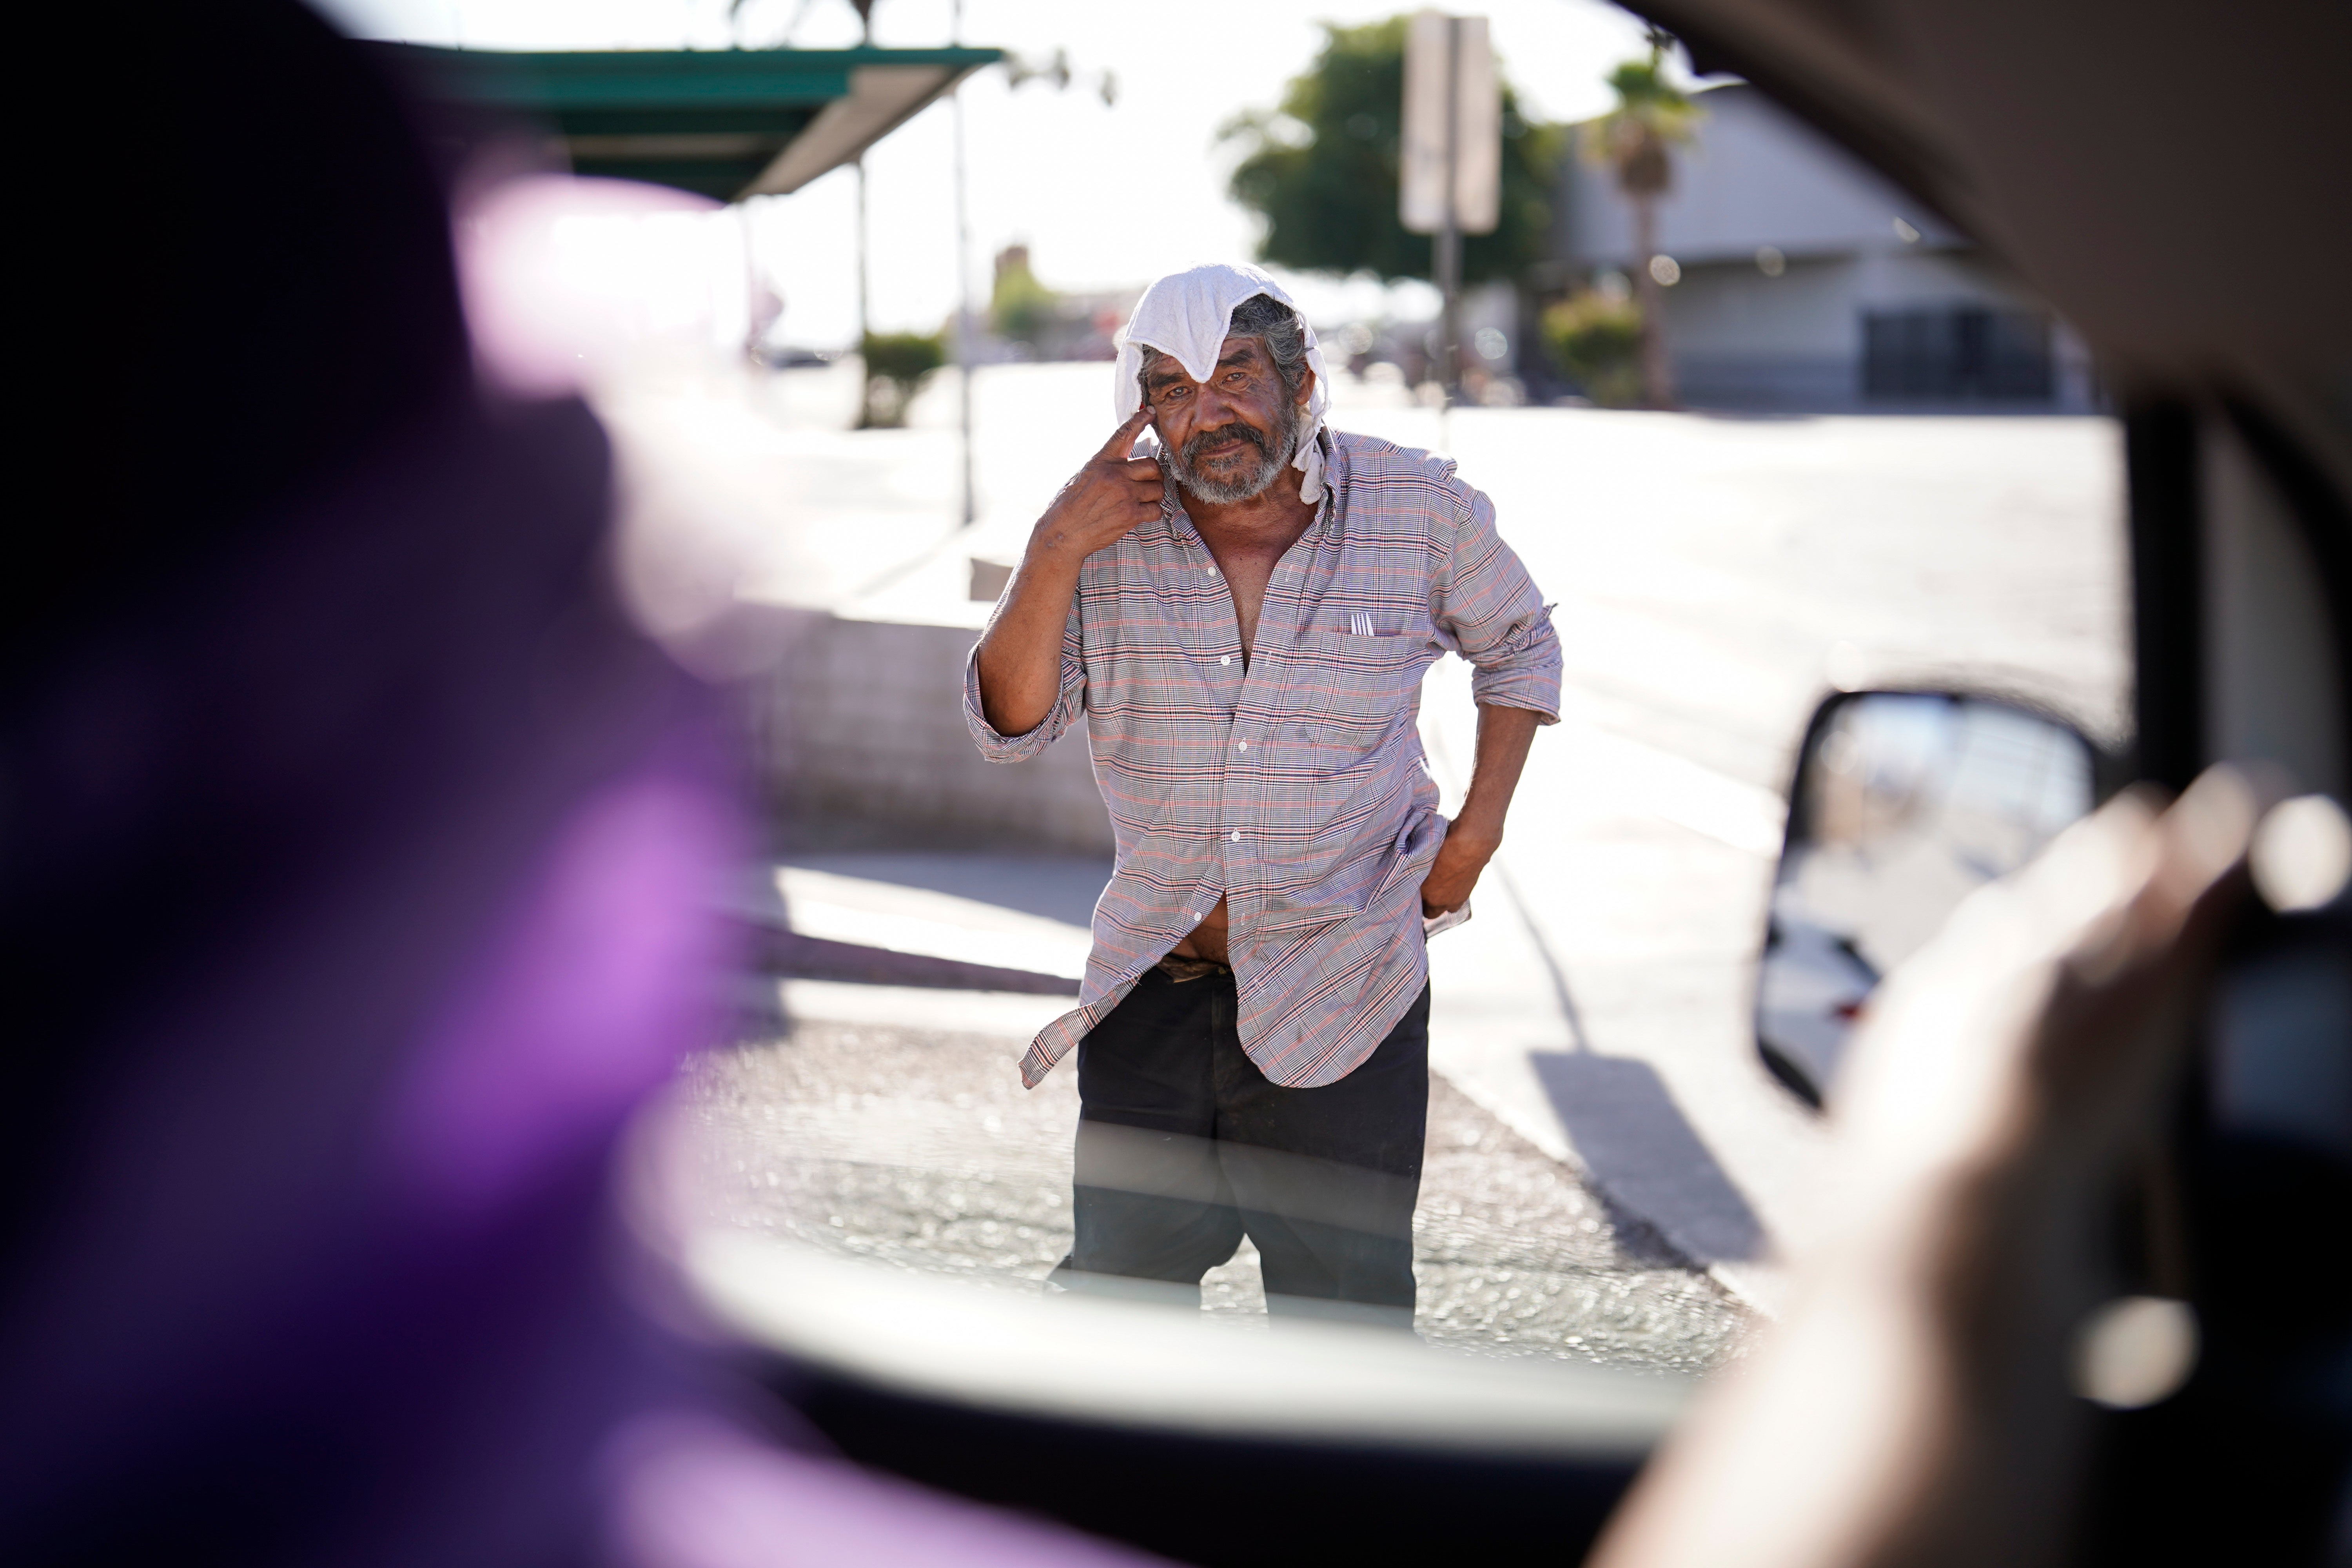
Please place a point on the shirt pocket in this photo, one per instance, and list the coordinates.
(1351, 692)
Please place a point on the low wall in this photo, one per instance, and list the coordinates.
(864, 719)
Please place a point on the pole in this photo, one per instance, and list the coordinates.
(864, 371)
(963, 292)
(863, 325)
(865, 321)
(1449, 237)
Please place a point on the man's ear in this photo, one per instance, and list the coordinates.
(1306, 389)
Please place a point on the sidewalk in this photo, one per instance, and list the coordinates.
(1597, 1003)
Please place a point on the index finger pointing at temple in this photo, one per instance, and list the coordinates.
(1123, 439)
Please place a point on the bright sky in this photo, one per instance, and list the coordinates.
(1104, 197)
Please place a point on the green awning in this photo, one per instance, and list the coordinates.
(727, 123)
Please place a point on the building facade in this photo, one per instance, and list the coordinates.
(1804, 280)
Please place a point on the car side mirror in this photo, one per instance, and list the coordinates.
(1904, 804)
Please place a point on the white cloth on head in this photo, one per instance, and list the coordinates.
(1184, 315)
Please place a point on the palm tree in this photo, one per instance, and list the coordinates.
(1635, 140)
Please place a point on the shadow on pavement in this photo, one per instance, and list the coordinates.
(788, 955)
(1056, 886)
(1633, 1139)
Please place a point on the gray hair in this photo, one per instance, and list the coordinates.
(1271, 322)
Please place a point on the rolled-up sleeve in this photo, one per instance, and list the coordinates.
(1067, 705)
(1487, 608)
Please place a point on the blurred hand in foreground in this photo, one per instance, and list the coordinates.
(1914, 1407)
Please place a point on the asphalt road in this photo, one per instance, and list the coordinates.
(919, 1149)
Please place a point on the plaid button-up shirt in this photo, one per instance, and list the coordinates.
(1292, 785)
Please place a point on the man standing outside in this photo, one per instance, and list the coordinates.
(1245, 618)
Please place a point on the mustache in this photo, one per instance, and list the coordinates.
(1203, 440)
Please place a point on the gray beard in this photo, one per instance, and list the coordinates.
(1251, 482)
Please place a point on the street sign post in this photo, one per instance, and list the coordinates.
(1450, 183)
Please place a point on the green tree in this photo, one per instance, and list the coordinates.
(1635, 140)
(1322, 169)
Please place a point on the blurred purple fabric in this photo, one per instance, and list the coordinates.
(357, 865)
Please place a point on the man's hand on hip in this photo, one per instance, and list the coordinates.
(1454, 872)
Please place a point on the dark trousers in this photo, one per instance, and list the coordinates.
(1184, 1147)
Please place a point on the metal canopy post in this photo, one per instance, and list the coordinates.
(964, 291)
(865, 312)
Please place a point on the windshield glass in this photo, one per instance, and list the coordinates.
(1729, 423)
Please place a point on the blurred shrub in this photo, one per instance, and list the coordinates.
(905, 357)
(1595, 338)
(896, 365)
(1020, 309)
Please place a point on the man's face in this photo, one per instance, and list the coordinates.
(1228, 437)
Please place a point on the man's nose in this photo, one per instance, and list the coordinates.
(1213, 409)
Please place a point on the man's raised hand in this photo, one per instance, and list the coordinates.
(1104, 499)
(1020, 655)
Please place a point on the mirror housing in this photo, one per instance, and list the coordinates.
(1903, 802)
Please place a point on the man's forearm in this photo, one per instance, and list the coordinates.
(1021, 653)
(1020, 657)
(1503, 736)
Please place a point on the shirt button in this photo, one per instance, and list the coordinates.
(1225, 659)
(1237, 835)
(1243, 745)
